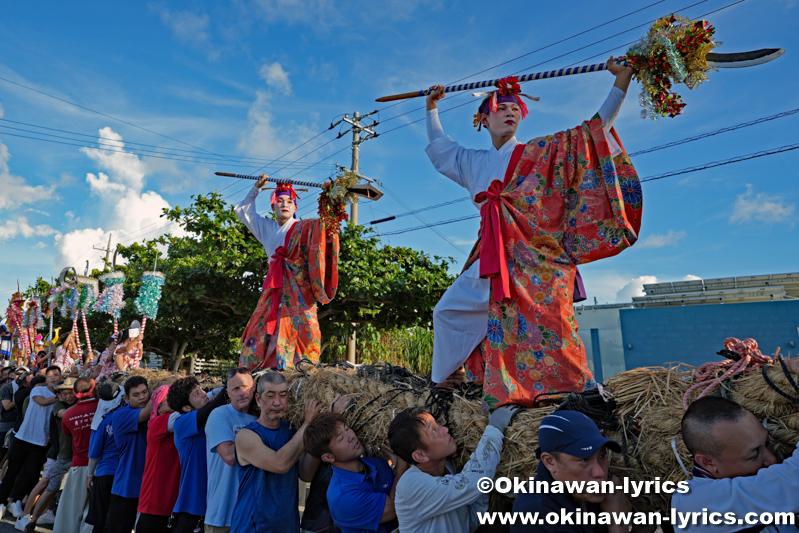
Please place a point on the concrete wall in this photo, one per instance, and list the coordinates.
(693, 334)
(600, 331)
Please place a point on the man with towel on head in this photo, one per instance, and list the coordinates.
(303, 270)
(547, 206)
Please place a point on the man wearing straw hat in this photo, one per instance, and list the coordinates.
(303, 270)
(546, 206)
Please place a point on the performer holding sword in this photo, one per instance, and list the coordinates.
(546, 206)
(303, 271)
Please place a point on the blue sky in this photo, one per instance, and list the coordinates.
(251, 80)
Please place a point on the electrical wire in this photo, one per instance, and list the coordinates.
(689, 170)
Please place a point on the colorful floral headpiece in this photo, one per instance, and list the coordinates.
(508, 90)
(284, 189)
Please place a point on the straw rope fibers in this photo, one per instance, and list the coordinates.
(641, 409)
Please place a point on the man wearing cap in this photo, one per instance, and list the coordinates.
(26, 457)
(303, 270)
(546, 206)
(65, 395)
(430, 497)
(572, 450)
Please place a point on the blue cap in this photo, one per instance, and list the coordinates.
(573, 433)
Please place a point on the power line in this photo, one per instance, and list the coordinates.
(428, 208)
(717, 132)
(689, 170)
(736, 159)
(423, 221)
(135, 151)
(115, 142)
(579, 34)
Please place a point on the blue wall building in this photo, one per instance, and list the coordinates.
(688, 322)
(693, 334)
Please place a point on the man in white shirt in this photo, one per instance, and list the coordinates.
(735, 471)
(429, 498)
(27, 456)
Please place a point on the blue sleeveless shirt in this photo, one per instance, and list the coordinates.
(267, 502)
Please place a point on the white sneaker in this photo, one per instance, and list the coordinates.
(47, 518)
(22, 521)
(16, 509)
(2, 510)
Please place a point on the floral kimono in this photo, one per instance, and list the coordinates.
(302, 272)
(565, 200)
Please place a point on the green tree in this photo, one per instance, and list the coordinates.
(214, 275)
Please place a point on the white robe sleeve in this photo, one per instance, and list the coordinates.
(609, 112)
(449, 157)
(258, 225)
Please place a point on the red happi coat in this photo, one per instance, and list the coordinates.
(564, 201)
(302, 272)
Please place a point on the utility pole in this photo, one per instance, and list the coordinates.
(107, 250)
(357, 128)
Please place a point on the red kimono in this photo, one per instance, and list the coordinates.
(302, 272)
(565, 200)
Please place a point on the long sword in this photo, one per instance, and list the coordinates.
(735, 60)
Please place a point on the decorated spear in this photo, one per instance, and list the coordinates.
(346, 189)
(675, 49)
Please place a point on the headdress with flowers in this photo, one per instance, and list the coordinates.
(508, 90)
(283, 189)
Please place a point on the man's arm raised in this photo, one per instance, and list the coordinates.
(252, 451)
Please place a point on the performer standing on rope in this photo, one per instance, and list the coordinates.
(303, 270)
(566, 199)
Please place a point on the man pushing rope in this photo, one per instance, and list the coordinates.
(547, 206)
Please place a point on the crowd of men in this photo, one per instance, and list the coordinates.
(179, 459)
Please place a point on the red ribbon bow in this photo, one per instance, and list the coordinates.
(274, 281)
(492, 248)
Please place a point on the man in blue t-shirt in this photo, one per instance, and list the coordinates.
(103, 455)
(270, 456)
(361, 492)
(220, 433)
(187, 396)
(129, 427)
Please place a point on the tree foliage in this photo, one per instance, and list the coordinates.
(215, 268)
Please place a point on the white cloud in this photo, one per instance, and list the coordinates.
(634, 287)
(123, 167)
(276, 77)
(100, 184)
(76, 247)
(760, 207)
(659, 241)
(691, 277)
(125, 211)
(263, 138)
(189, 28)
(15, 190)
(14, 228)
